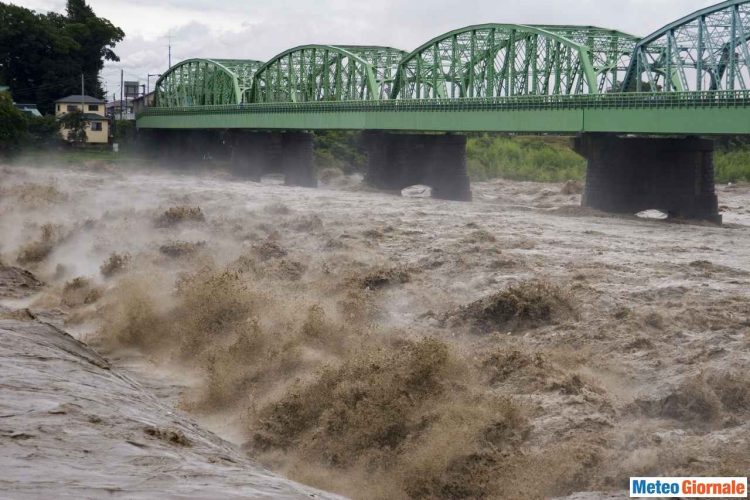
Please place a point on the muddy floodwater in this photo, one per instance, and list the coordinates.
(198, 336)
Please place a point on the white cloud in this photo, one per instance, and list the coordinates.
(252, 29)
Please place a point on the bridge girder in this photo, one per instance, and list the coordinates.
(205, 82)
(706, 50)
(327, 73)
(496, 60)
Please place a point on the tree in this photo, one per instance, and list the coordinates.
(75, 123)
(12, 125)
(42, 56)
(44, 131)
(96, 38)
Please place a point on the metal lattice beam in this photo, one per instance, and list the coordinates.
(206, 82)
(496, 60)
(707, 50)
(610, 51)
(327, 73)
(384, 61)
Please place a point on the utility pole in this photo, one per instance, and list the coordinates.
(83, 92)
(122, 90)
(169, 38)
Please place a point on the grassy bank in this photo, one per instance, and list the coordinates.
(541, 159)
(551, 159)
(76, 157)
(732, 165)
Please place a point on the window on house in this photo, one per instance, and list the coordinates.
(59, 107)
(93, 107)
(96, 126)
(72, 108)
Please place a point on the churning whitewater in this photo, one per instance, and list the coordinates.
(186, 334)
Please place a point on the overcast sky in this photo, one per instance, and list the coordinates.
(251, 29)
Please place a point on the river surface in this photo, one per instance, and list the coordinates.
(639, 367)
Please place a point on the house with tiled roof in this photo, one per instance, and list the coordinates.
(93, 109)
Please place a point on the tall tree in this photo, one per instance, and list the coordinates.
(96, 38)
(12, 126)
(42, 56)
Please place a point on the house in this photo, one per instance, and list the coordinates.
(117, 109)
(143, 102)
(97, 131)
(29, 109)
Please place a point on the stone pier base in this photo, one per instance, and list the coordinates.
(630, 175)
(397, 161)
(182, 148)
(255, 154)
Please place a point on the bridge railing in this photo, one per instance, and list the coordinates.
(630, 100)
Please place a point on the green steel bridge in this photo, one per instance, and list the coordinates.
(690, 77)
(636, 105)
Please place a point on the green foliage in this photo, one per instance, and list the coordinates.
(75, 123)
(13, 126)
(44, 131)
(732, 165)
(124, 132)
(340, 149)
(551, 159)
(542, 159)
(42, 56)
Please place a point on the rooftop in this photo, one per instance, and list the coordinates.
(78, 99)
(91, 117)
(28, 108)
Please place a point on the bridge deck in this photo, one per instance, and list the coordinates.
(705, 113)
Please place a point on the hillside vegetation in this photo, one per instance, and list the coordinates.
(552, 159)
(542, 159)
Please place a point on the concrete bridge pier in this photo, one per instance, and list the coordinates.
(297, 160)
(633, 174)
(254, 154)
(450, 180)
(182, 148)
(397, 161)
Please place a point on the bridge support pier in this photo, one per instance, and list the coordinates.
(630, 175)
(297, 159)
(397, 161)
(255, 154)
(182, 148)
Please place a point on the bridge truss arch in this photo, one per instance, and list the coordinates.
(206, 82)
(496, 60)
(610, 51)
(706, 50)
(327, 73)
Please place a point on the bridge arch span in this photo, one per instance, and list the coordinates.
(706, 50)
(496, 60)
(206, 82)
(327, 73)
(610, 51)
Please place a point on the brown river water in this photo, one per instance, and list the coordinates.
(228, 335)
